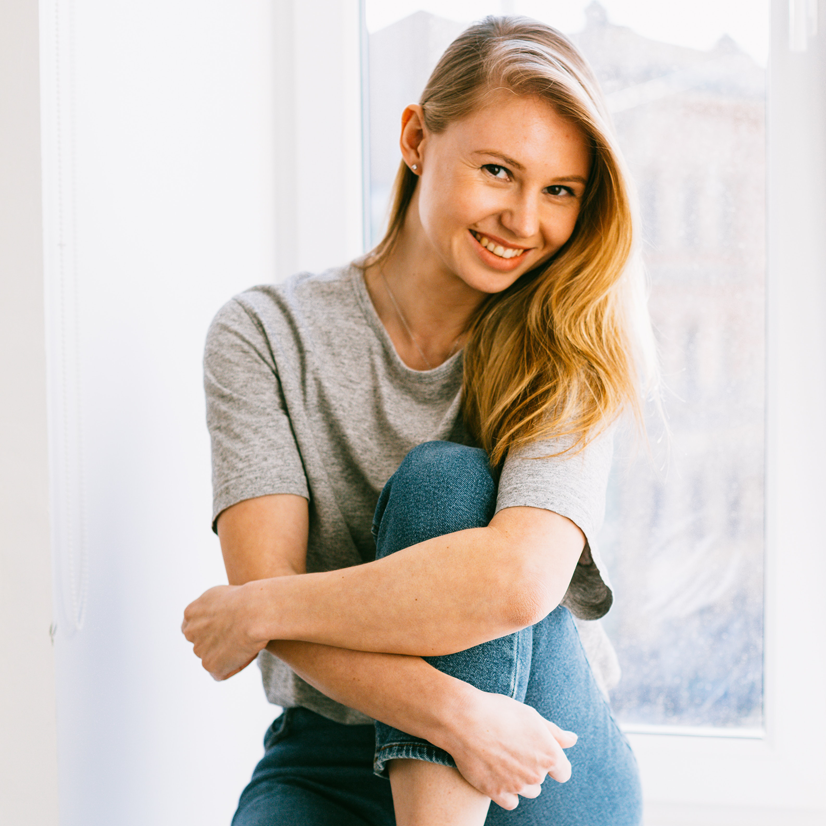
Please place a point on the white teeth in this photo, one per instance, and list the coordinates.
(497, 249)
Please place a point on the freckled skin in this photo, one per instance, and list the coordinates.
(469, 184)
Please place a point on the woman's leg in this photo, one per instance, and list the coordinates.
(604, 786)
(426, 793)
(441, 488)
(315, 772)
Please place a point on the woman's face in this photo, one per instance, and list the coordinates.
(500, 190)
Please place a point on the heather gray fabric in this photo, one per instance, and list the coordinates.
(307, 395)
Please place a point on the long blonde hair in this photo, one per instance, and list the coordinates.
(563, 350)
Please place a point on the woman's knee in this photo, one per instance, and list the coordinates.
(439, 488)
(455, 471)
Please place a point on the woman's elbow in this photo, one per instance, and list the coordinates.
(538, 556)
(529, 599)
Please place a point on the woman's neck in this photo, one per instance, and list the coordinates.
(425, 310)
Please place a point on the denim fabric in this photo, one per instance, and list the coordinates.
(441, 488)
(316, 771)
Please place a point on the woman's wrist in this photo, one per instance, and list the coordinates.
(262, 604)
(453, 714)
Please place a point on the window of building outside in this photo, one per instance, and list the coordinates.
(684, 533)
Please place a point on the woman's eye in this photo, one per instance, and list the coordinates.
(497, 171)
(558, 190)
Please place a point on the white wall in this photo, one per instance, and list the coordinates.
(159, 122)
(170, 180)
(28, 765)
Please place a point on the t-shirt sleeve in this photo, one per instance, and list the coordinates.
(574, 486)
(254, 452)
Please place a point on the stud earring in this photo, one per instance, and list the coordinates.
(415, 167)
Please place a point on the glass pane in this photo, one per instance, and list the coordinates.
(684, 536)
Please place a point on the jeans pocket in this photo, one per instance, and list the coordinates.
(278, 730)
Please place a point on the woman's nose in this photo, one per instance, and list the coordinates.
(522, 217)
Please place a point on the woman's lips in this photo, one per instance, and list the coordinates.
(496, 254)
(497, 247)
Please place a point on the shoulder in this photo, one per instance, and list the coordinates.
(560, 452)
(271, 310)
(302, 292)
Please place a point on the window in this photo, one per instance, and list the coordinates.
(691, 120)
(713, 542)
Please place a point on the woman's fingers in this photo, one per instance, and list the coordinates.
(566, 739)
(506, 801)
(504, 748)
(511, 801)
(217, 627)
(561, 769)
(531, 791)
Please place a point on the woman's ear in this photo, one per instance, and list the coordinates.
(413, 137)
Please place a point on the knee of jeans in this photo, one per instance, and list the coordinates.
(439, 488)
(431, 459)
(451, 480)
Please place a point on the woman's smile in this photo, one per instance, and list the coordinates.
(496, 252)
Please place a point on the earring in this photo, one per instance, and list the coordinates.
(414, 167)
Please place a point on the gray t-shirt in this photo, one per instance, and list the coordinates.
(307, 395)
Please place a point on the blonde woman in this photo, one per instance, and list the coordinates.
(410, 459)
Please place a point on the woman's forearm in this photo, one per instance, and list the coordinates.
(438, 597)
(404, 692)
(499, 744)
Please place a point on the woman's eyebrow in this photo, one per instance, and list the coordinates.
(571, 179)
(506, 159)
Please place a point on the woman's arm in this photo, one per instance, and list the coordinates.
(435, 598)
(438, 597)
(501, 746)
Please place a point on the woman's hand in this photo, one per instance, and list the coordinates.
(219, 625)
(505, 749)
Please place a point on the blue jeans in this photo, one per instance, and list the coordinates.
(316, 772)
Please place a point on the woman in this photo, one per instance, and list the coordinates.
(424, 432)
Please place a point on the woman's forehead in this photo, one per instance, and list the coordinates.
(524, 127)
(501, 105)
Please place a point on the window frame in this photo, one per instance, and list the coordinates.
(319, 135)
(708, 777)
(776, 778)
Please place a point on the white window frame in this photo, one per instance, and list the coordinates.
(319, 149)
(711, 777)
(779, 778)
